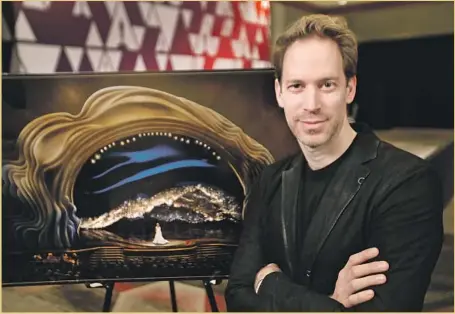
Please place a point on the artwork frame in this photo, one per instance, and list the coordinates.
(65, 100)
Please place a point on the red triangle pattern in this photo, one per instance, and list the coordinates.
(150, 60)
(264, 50)
(150, 40)
(251, 32)
(169, 65)
(198, 14)
(225, 48)
(211, 7)
(73, 29)
(128, 61)
(247, 64)
(181, 44)
(236, 11)
(192, 5)
(209, 62)
(236, 30)
(217, 25)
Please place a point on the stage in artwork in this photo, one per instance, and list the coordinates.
(139, 184)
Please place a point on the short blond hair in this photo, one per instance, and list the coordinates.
(324, 26)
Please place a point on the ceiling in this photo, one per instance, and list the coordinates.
(335, 4)
(339, 7)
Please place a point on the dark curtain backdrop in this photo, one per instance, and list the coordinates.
(406, 83)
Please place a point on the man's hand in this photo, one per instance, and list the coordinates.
(358, 275)
(270, 268)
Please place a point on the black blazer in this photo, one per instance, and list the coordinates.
(381, 197)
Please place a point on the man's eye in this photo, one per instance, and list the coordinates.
(329, 84)
(294, 87)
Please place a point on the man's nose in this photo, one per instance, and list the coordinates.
(311, 100)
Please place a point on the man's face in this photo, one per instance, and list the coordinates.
(313, 91)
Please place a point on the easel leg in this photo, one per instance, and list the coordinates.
(210, 295)
(108, 297)
(173, 298)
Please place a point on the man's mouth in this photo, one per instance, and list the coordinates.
(312, 122)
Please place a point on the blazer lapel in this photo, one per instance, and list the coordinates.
(342, 189)
(290, 186)
(340, 192)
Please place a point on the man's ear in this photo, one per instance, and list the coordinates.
(278, 93)
(352, 88)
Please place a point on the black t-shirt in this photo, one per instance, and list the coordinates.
(313, 187)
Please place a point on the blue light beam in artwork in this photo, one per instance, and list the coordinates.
(147, 155)
(189, 163)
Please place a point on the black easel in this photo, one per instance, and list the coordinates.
(108, 296)
(109, 286)
(173, 297)
(210, 295)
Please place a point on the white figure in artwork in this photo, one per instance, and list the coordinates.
(158, 239)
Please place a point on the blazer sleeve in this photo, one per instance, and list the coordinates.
(407, 229)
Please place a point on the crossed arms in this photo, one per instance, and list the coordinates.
(407, 230)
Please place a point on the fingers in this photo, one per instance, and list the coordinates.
(357, 275)
(366, 282)
(368, 269)
(358, 298)
(362, 257)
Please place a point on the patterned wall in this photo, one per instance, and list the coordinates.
(109, 36)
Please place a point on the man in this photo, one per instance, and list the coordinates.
(351, 222)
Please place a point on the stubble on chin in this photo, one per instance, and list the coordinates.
(314, 139)
(310, 143)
